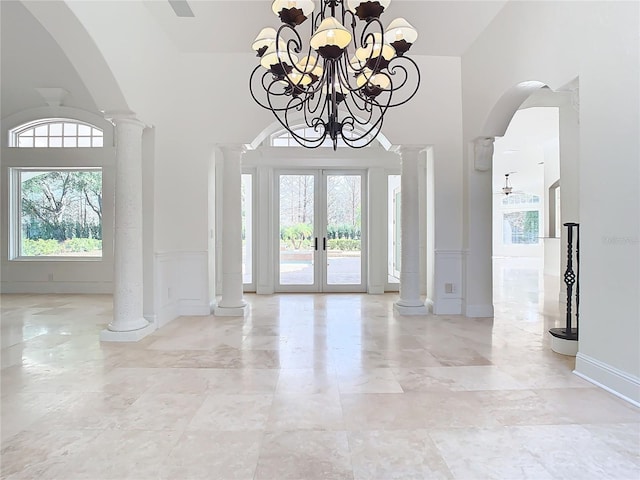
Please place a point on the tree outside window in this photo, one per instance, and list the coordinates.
(60, 212)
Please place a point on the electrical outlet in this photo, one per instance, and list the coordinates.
(448, 288)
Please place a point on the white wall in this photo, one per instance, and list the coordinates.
(555, 42)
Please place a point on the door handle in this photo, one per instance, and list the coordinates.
(315, 244)
(324, 243)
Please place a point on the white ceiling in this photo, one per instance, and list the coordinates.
(446, 27)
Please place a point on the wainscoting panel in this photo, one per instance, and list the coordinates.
(448, 282)
(181, 285)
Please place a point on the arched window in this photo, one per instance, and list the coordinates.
(56, 133)
(56, 202)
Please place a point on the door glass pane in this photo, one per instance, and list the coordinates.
(247, 231)
(296, 230)
(344, 214)
(394, 244)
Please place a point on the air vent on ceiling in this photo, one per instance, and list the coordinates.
(182, 8)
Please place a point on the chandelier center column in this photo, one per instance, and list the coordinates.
(232, 304)
(410, 302)
(128, 322)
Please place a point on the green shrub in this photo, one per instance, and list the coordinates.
(344, 244)
(82, 245)
(32, 248)
(41, 247)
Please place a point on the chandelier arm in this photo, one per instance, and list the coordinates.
(368, 36)
(294, 41)
(343, 78)
(353, 142)
(267, 86)
(311, 94)
(361, 109)
(251, 80)
(392, 71)
(298, 138)
(274, 95)
(377, 124)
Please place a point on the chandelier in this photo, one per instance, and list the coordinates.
(340, 85)
(507, 189)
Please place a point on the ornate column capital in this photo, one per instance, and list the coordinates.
(231, 150)
(120, 117)
(483, 153)
(405, 150)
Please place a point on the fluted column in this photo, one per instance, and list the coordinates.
(232, 304)
(410, 302)
(128, 322)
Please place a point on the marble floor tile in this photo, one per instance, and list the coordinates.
(577, 452)
(482, 377)
(43, 454)
(306, 386)
(308, 455)
(396, 454)
(241, 380)
(488, 454)
(121, 454)
(373, 380)
(159, 411)
(207, 455)
(318, 411)
(232, 412)
(307, 381)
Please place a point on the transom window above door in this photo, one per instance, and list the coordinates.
(286, 139)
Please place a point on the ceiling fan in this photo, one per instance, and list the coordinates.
(507, 189)
(181, 8)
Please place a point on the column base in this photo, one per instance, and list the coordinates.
(410, 309)
(107, 335)
(231, 311)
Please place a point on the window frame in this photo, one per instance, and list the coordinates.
(15, 216)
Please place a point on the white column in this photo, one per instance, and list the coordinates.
(232, 303)
(478, 263)
(128, 322)
(410, 302)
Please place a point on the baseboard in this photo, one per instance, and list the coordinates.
(191, 307)
(609, 378)
(447, 306)
(265, 290)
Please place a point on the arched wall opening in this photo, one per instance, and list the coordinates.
(537, 147)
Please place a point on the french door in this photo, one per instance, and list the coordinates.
(321, 234)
